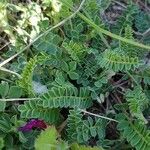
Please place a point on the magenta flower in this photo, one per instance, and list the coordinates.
(34, 123)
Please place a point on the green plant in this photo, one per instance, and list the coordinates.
(66, 97)
(82, 131)
(114, 60)
(31, 110)
(26, 81)
(135, 133)
(48, 139)
(74, 79)
(138, 102)
(76, 147)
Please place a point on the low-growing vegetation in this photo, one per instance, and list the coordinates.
(74, 75)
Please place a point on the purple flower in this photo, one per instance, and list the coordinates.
(34, 123)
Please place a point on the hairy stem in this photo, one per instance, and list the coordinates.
(112, 35)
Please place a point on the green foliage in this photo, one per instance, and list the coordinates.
(5, 125)
(66, 97)
(15, 92)
(103, 78)
(26, 81)
(74, 121)
(2, 106)
(142, 76)
(123, 58)
(138, 102)
(76, 34)
(1, 143)
(115, 60)
(75, 77)
(135, 133)
(48, 139)
(90, 129)
(64, 12)
(48, 43)
(8, 128)
(82, 131)
(31, 110)
(129, 49)
(4, 88)
(90, 67)
(142, 21)
(75, 50)
(126, 18)
(7, 91)
(77, 147)
(70, 69)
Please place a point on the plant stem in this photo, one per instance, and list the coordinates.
(133, 78)
(101, 30)
(100, 34)
(11, 72)
(110, 119)
(18, 99)
(112, 35)
(41, 35)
